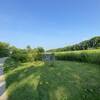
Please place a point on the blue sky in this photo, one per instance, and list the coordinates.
(48, 23)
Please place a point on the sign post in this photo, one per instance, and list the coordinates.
(49, 58)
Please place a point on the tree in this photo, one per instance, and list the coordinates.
(38, 53)
(84, 45)
(28, 48)
(4, 49)
(40, 49)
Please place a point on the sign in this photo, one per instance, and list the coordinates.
(49, 57)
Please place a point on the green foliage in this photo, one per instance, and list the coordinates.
(20, 55)
(4, 49)
(37, 53)
(90, 56)
(25, 55)
(40, 49)
(87, 44)
(16, 57)
(11, 64)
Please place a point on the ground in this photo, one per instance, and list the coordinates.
(62, 81)
(3, 95)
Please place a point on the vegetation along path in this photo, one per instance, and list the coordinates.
(65, 80)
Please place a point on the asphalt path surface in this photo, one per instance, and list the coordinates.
(2, 80)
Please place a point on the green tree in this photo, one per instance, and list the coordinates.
(38, 53)
(4, 49)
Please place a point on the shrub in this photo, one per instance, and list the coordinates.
(90, 56)
(20, 55)
(4, 49)
(37, 53)
(10, 64)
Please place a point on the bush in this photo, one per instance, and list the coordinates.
(20, 55)
(10, 64)
(4, 49)
(90, 56)
(37, 53)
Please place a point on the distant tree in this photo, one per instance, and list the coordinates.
(4, 49)
(28, 48)
(84, 45)
(38, 53)
(40, 49)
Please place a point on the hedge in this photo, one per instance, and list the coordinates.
(89, 56)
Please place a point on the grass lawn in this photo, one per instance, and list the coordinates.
(64, 81)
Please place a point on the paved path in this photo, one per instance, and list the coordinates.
(3, 95)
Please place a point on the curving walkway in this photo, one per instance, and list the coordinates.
(3, 95)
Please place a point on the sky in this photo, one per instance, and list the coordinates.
(48, 23)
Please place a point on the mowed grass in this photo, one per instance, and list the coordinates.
(63, 81)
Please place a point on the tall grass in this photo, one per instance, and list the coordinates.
(90, 56)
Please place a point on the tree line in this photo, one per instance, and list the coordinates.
(19, 54)
(16, 56)
(84, 45)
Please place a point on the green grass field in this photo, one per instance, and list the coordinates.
(64, 81)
